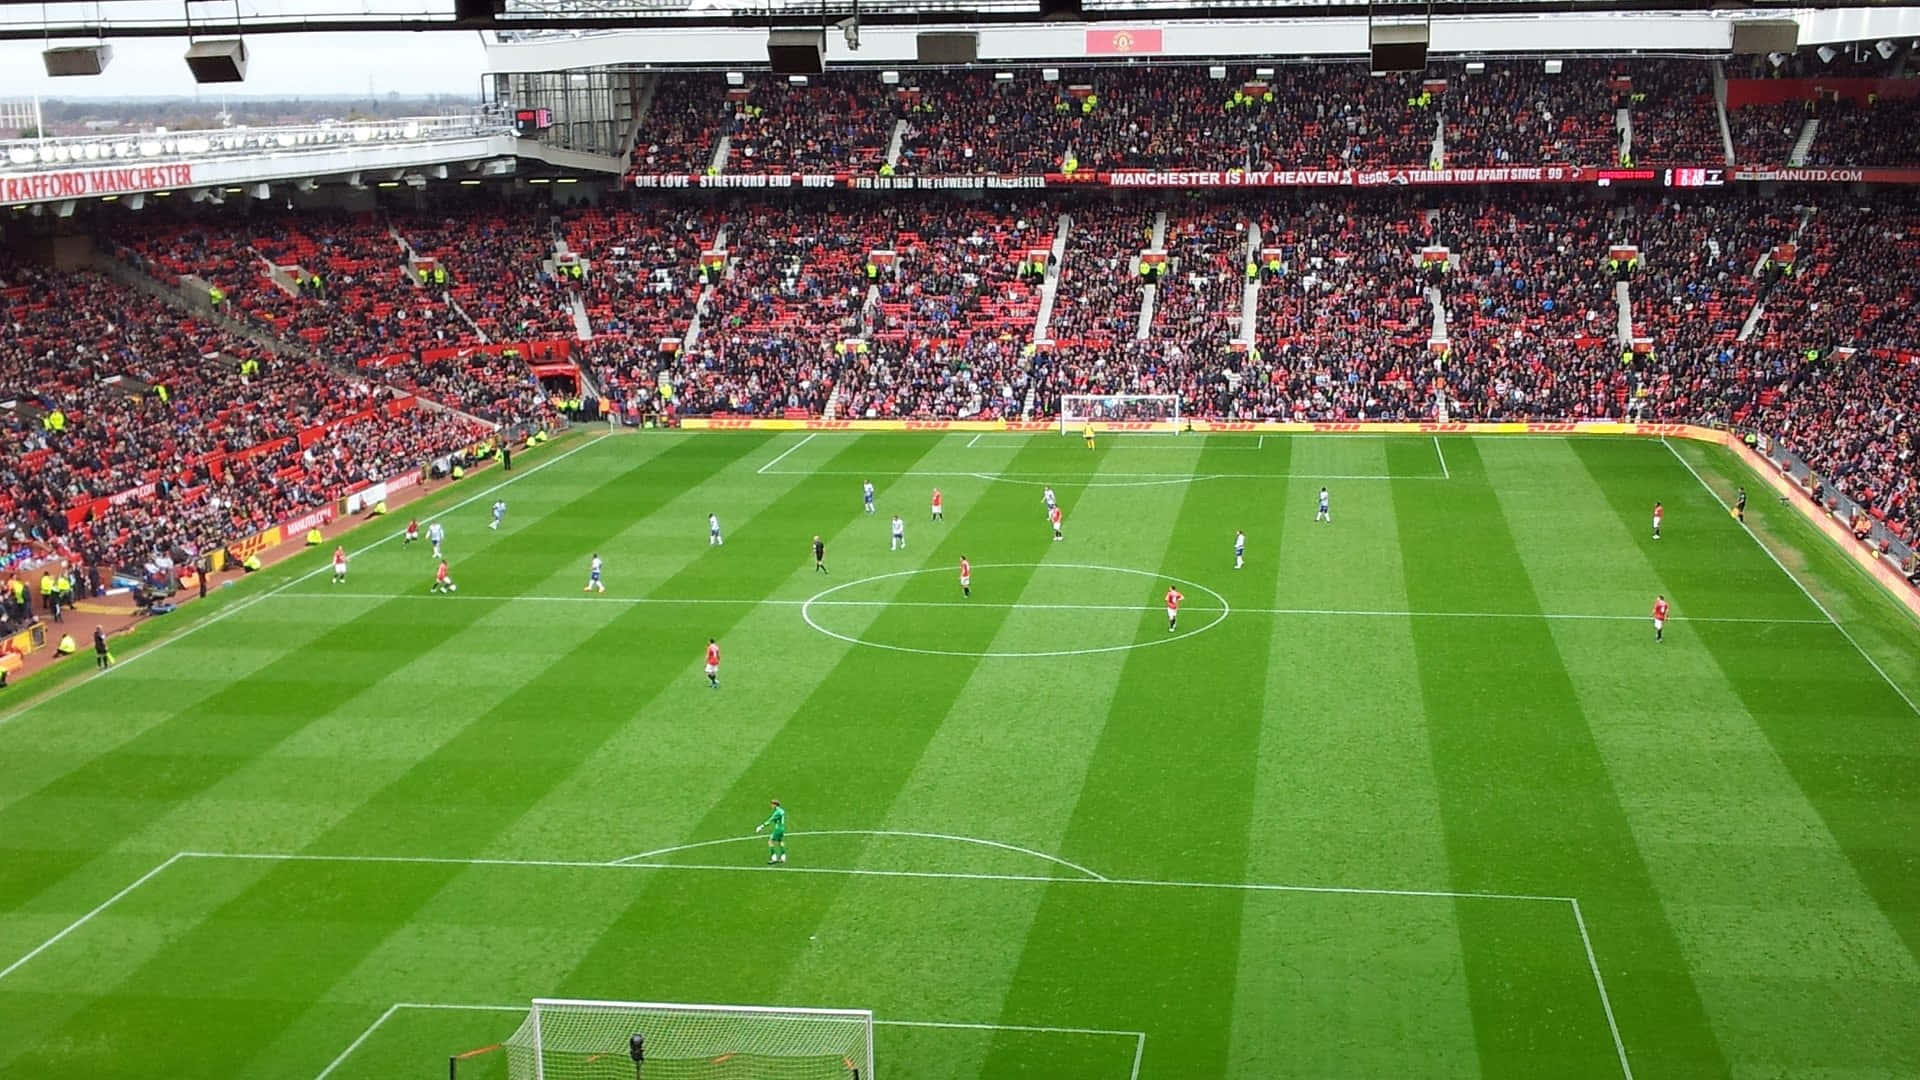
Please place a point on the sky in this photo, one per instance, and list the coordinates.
(279, 65)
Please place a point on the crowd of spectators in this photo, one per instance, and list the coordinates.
(1290, 116)
(1675, 120)
(1857, 132)
(151, 424)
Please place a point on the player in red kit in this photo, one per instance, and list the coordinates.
(1659, 618)
(412, 533)
(1053, 518)
(442, 580)
(339, 565)
(966, 577)
(1658, 513)
(939, 509)
(1174, 596)
(713, 664)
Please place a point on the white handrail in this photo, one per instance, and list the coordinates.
(162, 145)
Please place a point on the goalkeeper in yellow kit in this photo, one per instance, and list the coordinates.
(777, 837)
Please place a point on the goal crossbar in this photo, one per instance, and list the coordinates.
(1153, 413)
(586, 1039)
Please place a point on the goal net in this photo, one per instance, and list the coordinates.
(1120, 412)
(625, 1040)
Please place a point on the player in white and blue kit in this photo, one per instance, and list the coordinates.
(866, 494)
(713, 530)
(594, 584)
(1323, 514)
(499, 512)
(1048, 496)
(435, 534)
(899, 534)
(1239, 549)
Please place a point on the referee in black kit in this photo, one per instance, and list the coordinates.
(819, 554)
(1740, 505)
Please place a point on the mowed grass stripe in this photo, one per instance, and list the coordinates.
(245, 718)
(1501, 706)
(1005, 764)
(1166, 793)
(1866, 799)
(1879, 623)
(653, 779)
(1345, 795)
(1740, 858)
(838, 759)
(443, 795)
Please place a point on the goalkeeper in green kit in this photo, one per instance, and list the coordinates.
(777, 838)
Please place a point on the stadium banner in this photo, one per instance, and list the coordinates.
(1830, 176)
(1411, 176)
(371, 495)
(1245, 427)
(247, 546)
(311, 520)
(744, 423)
(403, 481)
(87, 183)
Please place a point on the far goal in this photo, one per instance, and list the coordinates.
(628, 1040)
(1154, 413)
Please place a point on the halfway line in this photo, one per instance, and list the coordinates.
(1357, 613)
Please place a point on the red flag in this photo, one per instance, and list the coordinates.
(1108, 42)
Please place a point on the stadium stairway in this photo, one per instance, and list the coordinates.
(1623, 123)
(1623, 303)
(721, 148)
(1437, 157)
(1250, 292)
(1052, 288)
(692, 337)
(1151, 294)
(1720, 110)
(895, 143)
(182, 298)
(1803, 145)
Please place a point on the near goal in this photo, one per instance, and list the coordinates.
(625, 1040)
(1120, 412)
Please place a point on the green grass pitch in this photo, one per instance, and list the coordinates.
(1415, 793)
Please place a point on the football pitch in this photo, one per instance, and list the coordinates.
(1414, 793)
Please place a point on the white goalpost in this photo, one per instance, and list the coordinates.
(565, 1039)
(1150, 413)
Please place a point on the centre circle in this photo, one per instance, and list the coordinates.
(813, 609)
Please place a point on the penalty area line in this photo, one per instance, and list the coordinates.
(1017, 849)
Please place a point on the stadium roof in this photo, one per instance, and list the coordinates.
(21, 19)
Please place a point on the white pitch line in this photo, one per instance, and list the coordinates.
(993, 606)
(1442, 454)
(1093, 875)
(1600, 984)
(1009, 1027)
(1808, 593)
(355, 1044)
(975, 441)
(760, 868)
(1127, 479)
(783, 869)
(783, 454)
(281, 588)
(89, 916)
(1140, 1047)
